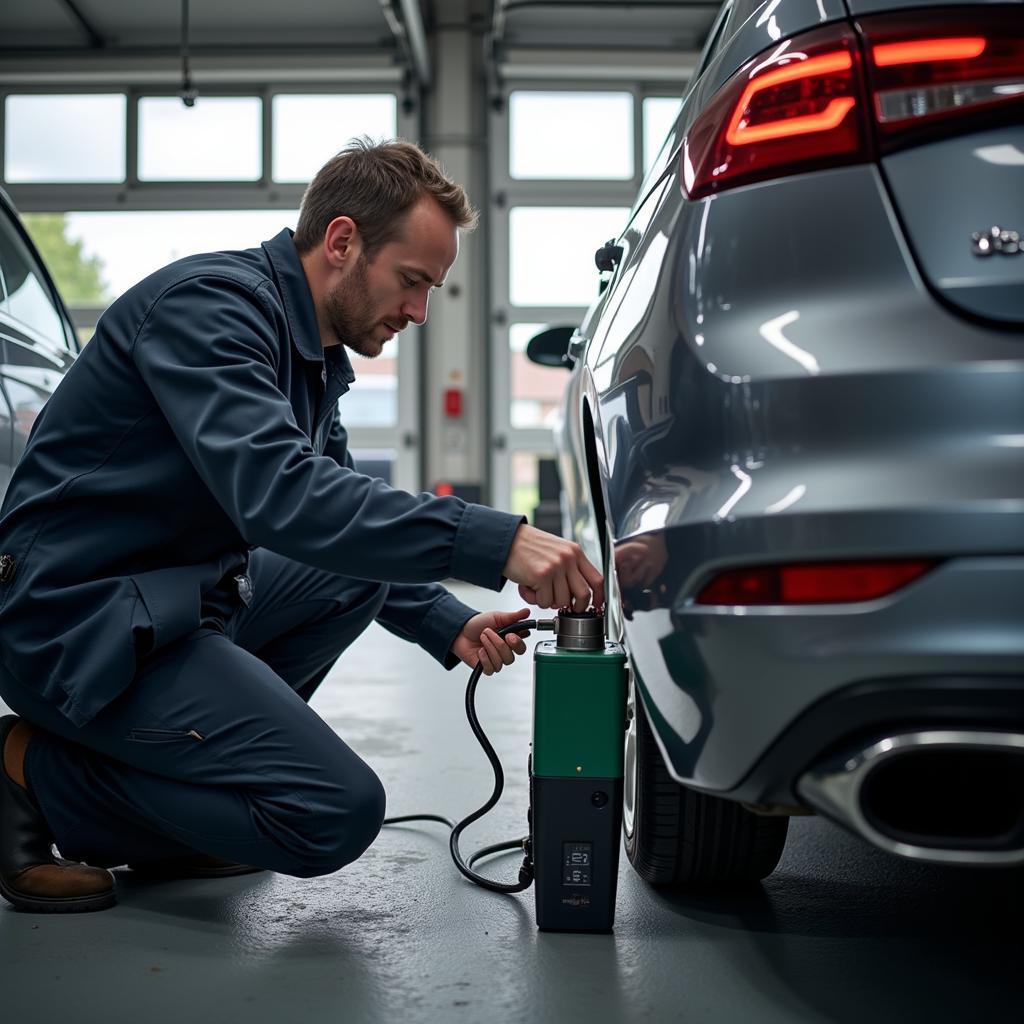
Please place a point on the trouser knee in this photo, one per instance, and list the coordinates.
(351, 605)
(343, 833)
(355, 600)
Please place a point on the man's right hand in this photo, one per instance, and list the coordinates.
(552, 572)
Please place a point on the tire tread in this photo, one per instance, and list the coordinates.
(683, 838)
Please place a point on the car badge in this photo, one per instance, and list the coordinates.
(996, 239)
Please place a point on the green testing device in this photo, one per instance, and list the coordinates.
(579, 717)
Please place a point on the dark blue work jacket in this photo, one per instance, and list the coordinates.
(201, 422)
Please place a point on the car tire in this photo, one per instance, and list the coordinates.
(676, 837)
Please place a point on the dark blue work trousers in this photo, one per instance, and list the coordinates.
(213, 747)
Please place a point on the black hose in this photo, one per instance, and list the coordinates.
(526, 869)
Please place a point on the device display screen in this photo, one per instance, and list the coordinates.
(577, 862)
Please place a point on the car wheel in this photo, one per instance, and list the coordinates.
(677, 837)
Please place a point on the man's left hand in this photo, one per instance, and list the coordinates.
(478, 641)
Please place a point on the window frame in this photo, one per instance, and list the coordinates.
(136, 195)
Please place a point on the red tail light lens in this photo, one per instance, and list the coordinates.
(827, 583)
(935, 66)
(799, 107)
(763, 112)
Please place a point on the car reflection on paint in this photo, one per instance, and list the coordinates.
(794, 432)
(37, 342)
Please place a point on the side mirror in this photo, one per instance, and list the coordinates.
(551, 347)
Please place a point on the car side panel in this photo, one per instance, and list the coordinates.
(801, 396)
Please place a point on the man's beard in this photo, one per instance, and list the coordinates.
(350, 313)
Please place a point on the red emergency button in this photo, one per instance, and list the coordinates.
(453, 402)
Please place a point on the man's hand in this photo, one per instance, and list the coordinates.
(552, 572)
(478, 640)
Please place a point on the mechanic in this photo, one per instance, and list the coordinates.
(186, 547)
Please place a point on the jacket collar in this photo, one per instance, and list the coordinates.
(298, 304)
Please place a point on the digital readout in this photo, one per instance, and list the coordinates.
(577, 861)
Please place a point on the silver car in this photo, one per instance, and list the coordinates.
(794, 432)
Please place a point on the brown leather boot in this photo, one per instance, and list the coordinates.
(30, 877)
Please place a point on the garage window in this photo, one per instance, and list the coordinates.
(58, 138)
(116, 183)
(552, 248)
(567, 161)
(218, 139)
(310, 129)
(659, 116)
(536, 390)
(560, 135)
(128, 246)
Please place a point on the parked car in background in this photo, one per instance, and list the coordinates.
(37, 341)
(794, 433)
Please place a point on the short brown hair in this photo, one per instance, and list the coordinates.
(375, 184)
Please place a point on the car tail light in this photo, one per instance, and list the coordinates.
(825, 583)
(931, 67)
(817, 101)
(799, 107)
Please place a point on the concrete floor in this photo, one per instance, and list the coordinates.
(840, 932)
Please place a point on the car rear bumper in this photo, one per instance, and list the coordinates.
(744, 699)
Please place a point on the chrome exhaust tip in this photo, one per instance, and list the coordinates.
(948, 796)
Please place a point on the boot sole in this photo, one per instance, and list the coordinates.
(57, 905)
(170, 874)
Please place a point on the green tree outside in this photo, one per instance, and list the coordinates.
(79, 278)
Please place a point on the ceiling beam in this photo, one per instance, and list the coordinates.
(597, 64)
(503, 61)
(161, 66)
(417, 40)
(502, 8)
(410, 36)
(95, 39)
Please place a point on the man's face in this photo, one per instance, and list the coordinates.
(377, 297)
